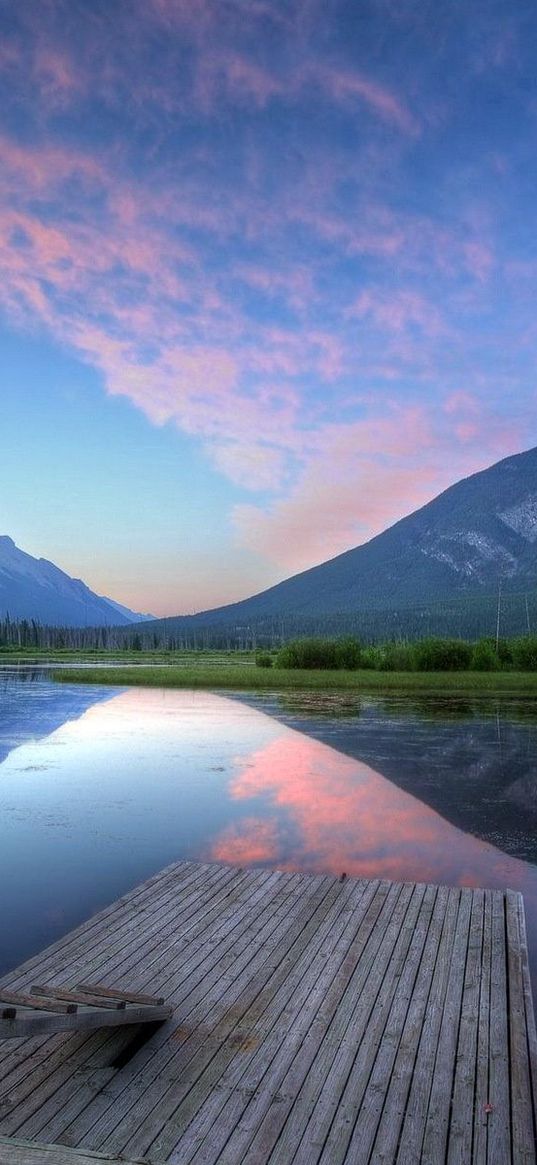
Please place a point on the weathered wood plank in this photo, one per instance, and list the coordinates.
(522, 1106)
(119, 933)
(461, 1131)
(289, 1010)
(155, 945)
(31, 1023)
(267, 1112)
(17, 1152)
(298, 923)
(197, 988)
(529, 1005)
(97, 989)
(439, 1110)
(352, 1039)
(20, 999)
(69, 1069)
(64, 994)
(412, 1133)
(286, 1021)
(68, 1112)
(89, 933)
(424, 999)
(315, 1022)
(498, 1118)
(362, 1096)
(481, 1091)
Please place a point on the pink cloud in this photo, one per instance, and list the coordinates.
(294, 284)
(44, 168)
(10, 55)
(251, 465)
(224, 70)
(462, 402)
(232, 75)
(357, 479)
(169, 338)
(342, 812)
(466, 431)
(56, 74)
(322, 518)
(123, 270)
(252, 841)
(479, 259)
(344, 86)
(397, 310)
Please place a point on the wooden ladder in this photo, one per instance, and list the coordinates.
(49, 1008)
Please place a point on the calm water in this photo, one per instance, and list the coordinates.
(101, 787)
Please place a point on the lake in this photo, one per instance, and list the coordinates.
(101, 787)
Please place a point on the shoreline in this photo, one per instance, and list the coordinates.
(248, 678)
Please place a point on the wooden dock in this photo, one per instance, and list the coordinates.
(315, 1020)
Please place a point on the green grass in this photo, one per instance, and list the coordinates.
(227, 674)
(103, 656)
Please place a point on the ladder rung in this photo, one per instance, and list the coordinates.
(19, 999)
(63, 993)
(99, 991)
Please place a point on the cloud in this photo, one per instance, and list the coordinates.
(236, 246)
(398, 310)
(251, 465)
(328, 813)
(56, 75)
(360, 478)
(349, 85)
(253, 841)
(129, 288)
(228, 75)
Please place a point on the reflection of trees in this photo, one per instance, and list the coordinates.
(472, 765)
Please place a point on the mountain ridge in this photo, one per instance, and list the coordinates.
(480, 531)
(35, 588)
(476, 537)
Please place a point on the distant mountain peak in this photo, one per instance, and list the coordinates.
(35, 588)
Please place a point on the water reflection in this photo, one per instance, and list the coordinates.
(30, 709)
(146, 776)
(474, 762)
(329, 813)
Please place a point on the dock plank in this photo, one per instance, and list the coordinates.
(305, 1015)
(523, 1130)
(69, 1082)
(313, 1021)
(17, 1152)
(443, 1070)
(289, 1015)
(248, 986)
(313, 1090)
(196, 989)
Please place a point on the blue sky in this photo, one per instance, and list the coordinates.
(268, 278)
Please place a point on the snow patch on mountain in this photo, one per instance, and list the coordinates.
(452, 549)
(522, 518)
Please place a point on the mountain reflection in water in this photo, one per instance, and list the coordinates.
(149, 776)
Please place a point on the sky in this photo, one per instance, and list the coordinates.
(268, 278)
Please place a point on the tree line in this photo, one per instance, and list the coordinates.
(469, 618)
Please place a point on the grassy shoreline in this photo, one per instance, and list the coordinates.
(248, 678)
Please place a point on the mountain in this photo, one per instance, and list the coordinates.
(459, 546)
(33, 588)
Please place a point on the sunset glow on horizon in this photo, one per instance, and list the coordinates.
(268, 278)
